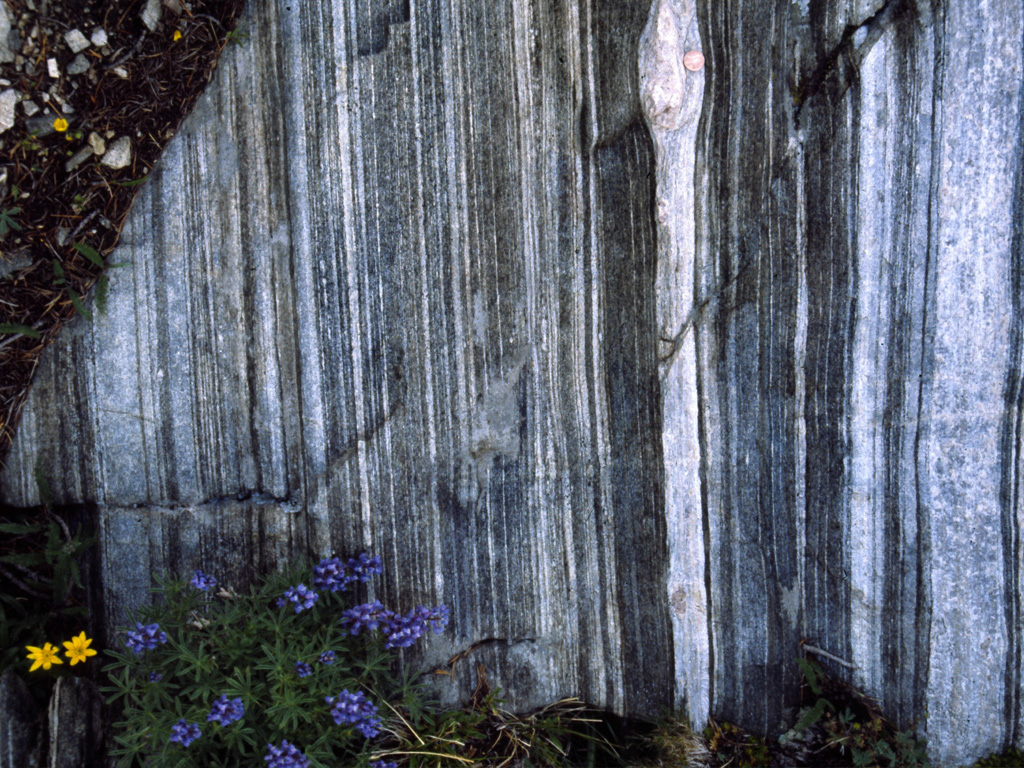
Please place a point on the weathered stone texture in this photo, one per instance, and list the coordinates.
(75, 726)
(404, 282)
(842, 354)
(391, 288)
(20, 729)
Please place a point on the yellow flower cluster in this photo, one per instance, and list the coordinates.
(77, 650)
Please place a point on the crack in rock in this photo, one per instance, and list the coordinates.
(842, 63)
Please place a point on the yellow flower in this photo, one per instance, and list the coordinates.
(44, 657)
(78, 649)
(177, 35)
(60, 125)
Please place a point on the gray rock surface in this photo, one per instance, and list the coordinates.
(841, 375)
(75, 729)
(7, 37)
(396, 286)
(396, 300)
(19, 724)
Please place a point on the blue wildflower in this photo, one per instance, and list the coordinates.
(302, 669)
(202, 582)
(403, 631)
(145, 638)
(301, 595)
(185, 734)
(285, 756)
(365, 616)
(327, 657)
(353, 708)
(226, 712)
(382, 764)
(365, 566)
(330, 574)
(155, 677)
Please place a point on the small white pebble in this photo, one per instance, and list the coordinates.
(99, 146)
(98, 37)
(76, 41)
(8, 100)
(120, 72)
(119, 154)
(52, 69)
(29, 108)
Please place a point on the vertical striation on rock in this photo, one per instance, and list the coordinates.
(847, 422)
(393, 288)
(404, 282)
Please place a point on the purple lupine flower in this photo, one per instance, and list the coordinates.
(285, 756)
(438, 618)
(185, 734)
(383, 764)
(155, 677)
(226, 712)
(354, 708)
(202, 582)
(301, 595)
(302, 669)
(145, 638)
(403, 631)
(365, 566)
(330, 574)
(327, 657)
(365, 616)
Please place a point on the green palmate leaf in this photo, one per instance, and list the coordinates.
(90, 253)
(22, 329)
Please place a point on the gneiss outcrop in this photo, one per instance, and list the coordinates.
(657, 369)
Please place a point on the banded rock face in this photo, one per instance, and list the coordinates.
(839, 304)
(392, 289)
(404, 282)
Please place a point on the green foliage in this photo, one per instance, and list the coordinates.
(102, 285)
(132, 183)
(220, 643)
(859, 733)
(22, 329)
(39, 560)
(90, 253)
(7, 221)
(236, 36)
(1012, 758)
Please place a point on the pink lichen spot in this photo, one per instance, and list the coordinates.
(693, 60)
